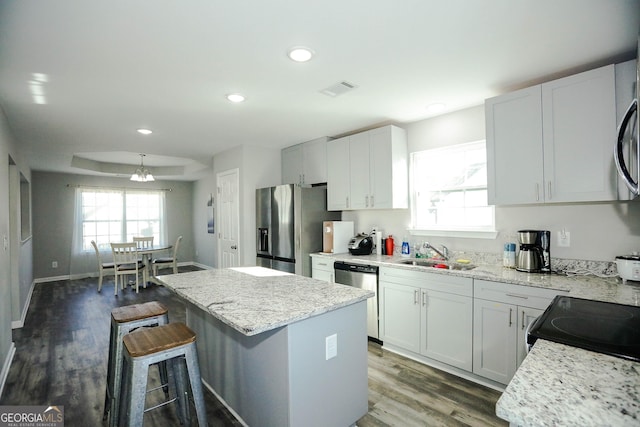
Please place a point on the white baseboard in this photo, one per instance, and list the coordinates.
(224, 402)
(5, 367)
(15, 324)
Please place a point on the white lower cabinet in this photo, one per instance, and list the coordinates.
(428, 314)
(501, 315)
(322, 268)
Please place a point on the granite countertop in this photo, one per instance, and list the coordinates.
(581, 286)
(559, 385)
(254, 299)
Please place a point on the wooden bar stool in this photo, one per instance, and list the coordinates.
(124, 320)
(174, 343)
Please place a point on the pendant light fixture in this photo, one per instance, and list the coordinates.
(142, 174)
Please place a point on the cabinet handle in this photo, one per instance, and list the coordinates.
(366, 201)
(537, 192)
(522, 321)
(347, 201)
(372, 204)
(550, 191)
(415, 296)
(510, 317)
(424, 298)
(322, 263)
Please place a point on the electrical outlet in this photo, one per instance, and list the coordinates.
(331, 346)
(54, 264)
(564, 239)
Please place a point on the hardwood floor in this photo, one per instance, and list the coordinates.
(61, 359)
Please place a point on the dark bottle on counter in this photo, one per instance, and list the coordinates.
(384, 246)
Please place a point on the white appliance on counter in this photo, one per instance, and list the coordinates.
(628, 130)
(336, 236)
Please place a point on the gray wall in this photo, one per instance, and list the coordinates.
(258, 167)
(21, 263)
(53, 215)
(599, 231)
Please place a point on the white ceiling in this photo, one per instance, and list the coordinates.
(115, 66)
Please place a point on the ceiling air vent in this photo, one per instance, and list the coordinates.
(338, 89)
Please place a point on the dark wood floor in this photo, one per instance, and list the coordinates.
(61, 359)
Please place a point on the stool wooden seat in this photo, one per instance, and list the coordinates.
(174, 343)
(124, 320)
(149, 341)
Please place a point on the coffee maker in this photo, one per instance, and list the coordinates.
(534, 255)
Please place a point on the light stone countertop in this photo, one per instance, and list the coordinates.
(559, 385)
(252, 304)
(589, 287)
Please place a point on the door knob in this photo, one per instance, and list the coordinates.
(234, 247)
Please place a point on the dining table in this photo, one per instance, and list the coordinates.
(146, 254)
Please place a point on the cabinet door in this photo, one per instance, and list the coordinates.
(338, 174)
(325, 275)
(579, 116)
(494, 340)
(314, 160)
(381, 169)
(514, 146)
(359, 161)
(292, 165)
(447, 328)
(526, 315)
(400, 316)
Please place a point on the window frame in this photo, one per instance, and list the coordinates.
(461, 230)
(122, 220)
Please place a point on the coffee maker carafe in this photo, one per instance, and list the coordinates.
(534, 255)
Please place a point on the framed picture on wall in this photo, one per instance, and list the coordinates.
(210, 215)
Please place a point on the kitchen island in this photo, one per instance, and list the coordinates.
(279, 349)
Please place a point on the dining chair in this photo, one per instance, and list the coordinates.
(166, 262)
(143, 242)
(125, 259)
(102, 266)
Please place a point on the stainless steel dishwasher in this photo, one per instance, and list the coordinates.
(365, 277)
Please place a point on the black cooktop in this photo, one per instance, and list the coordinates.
(599, 326)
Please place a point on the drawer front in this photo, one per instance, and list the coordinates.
(322, 263)
(507, 293)
(432, 281)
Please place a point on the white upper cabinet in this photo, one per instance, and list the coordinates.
(306, 163)
(338, 174)
(368, 170)
(553, 142)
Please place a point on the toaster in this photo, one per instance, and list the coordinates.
(362, 244)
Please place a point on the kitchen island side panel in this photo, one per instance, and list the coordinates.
(249, 372)
(334, 391)
(282, 377)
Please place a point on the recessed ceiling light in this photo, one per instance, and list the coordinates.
(435, 108)
(300, 54)
(145, 131)
(235, 97)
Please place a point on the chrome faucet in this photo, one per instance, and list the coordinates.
(444, 253)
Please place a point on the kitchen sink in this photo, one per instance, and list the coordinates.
(437, 263)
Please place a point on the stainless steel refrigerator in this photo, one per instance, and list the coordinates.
(289, 226)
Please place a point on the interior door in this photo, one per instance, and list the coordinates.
(228, 218)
